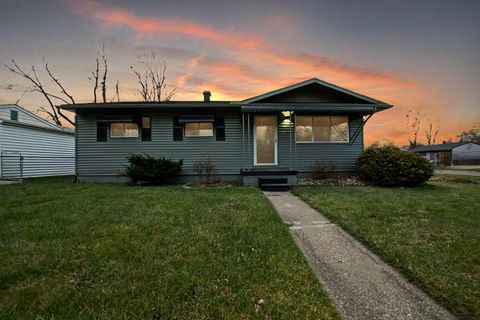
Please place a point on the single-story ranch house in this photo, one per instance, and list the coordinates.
(449, 154)
(271, 138)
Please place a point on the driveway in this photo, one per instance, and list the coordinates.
(361, 285)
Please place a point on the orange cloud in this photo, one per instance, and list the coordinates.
(190, 66)
(248, 46)
(150, 25)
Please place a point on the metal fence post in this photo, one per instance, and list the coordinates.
(21, 168)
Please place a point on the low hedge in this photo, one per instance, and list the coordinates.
(147, 169)
(392, 167)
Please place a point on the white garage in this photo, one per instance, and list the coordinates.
(32, 147)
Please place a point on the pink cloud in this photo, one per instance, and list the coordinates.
(146, 25)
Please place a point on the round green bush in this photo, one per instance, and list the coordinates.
(391, 167)
(145, 169)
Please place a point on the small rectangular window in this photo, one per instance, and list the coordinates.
(14, 115)
(146, 122)
(123, 130)
(146, 129)
(199, 129)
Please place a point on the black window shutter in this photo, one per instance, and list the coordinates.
(220, 128)
(147, 132)
(177, 130)
(102, 131)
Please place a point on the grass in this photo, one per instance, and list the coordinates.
(452, 178)
(463, 168)
(430, 233)
(83, 251)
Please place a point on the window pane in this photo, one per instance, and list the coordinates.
(303, 128)
(117, 129)
(131, 129)
(206, 129)
(14, 115)
(202, 129)
(146, 122)
(123, 129)
(339, 131)
(265, 131)
(321, 128)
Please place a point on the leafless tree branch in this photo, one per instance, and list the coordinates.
(104, 79)
(95, 80)
(152, 80)
(62, 89)
(55, 113)
(117, 92)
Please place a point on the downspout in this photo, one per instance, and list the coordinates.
(1, 153)
(290, 140)
(75, 180)
(294, 141)
(248, 134)
(243, 139)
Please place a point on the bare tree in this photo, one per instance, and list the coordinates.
(104, 79)
(117, 92)
(53, 111)
(100, 83)
(95, 79)
(152, 80)
(431, 132)
(413, 127)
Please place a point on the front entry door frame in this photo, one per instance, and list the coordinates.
(255, 141)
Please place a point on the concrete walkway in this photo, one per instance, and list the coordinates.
(361, 285)
(458, 172)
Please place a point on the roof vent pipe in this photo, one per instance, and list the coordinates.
(206, 96)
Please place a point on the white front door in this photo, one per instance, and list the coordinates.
(265, 140)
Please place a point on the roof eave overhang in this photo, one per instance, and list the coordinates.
(35, 127)
(308, 82)
(94, 106)
(317, 108)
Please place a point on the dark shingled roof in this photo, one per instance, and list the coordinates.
(438, 147)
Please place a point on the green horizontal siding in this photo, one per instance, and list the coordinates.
(110, 157)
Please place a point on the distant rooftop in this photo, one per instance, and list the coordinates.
(438, 147)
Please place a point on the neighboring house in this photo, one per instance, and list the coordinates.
(275, 136)
(449, 154)
(43, 148)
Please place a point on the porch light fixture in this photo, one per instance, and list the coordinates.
(286, 116)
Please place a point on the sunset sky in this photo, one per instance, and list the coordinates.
(420, 55)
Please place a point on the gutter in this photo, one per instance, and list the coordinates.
(34, 127)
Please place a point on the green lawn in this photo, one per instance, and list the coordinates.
(475, 169)
(430, 233)
(118, 252)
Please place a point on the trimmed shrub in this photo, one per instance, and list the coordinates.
(322, 169)
(391, 167)
(147, 169)
(206, 169)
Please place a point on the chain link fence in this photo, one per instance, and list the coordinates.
(17, 166)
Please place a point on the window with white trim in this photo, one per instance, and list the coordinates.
(199, 129)
(321, 129)
(123, 130)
